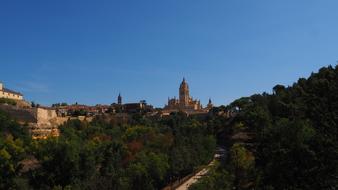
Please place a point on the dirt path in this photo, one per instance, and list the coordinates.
(196, 177)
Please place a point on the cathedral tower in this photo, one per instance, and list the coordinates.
(184, 94)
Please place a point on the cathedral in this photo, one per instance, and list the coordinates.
(185, 101)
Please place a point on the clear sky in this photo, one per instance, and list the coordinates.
(89, 51)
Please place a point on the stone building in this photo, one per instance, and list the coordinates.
(10, 94)
(136, 107)
(185, 102)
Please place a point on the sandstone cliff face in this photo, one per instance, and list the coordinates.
(44, 126)
(42, 122)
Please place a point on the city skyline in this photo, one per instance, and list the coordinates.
(88, 52)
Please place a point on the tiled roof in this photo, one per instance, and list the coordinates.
(11, 91)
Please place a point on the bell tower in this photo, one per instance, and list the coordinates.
(210, 105)
(119, 99)
(184, 94)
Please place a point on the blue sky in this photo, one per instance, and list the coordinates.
(89, 51)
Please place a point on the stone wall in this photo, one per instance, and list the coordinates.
(48, 123)
(42, 122)
(45, 115)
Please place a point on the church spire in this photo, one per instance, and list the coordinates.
(210, 105)
(119, 99)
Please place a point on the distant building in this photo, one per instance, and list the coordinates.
(185, 102)
(141, 106)
(10, 94)
(81, 110)
(133, 107)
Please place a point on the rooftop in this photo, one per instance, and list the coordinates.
(11, 91)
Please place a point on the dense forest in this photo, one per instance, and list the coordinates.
(142, 154)
(284, 140)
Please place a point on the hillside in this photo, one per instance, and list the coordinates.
(293, 140)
